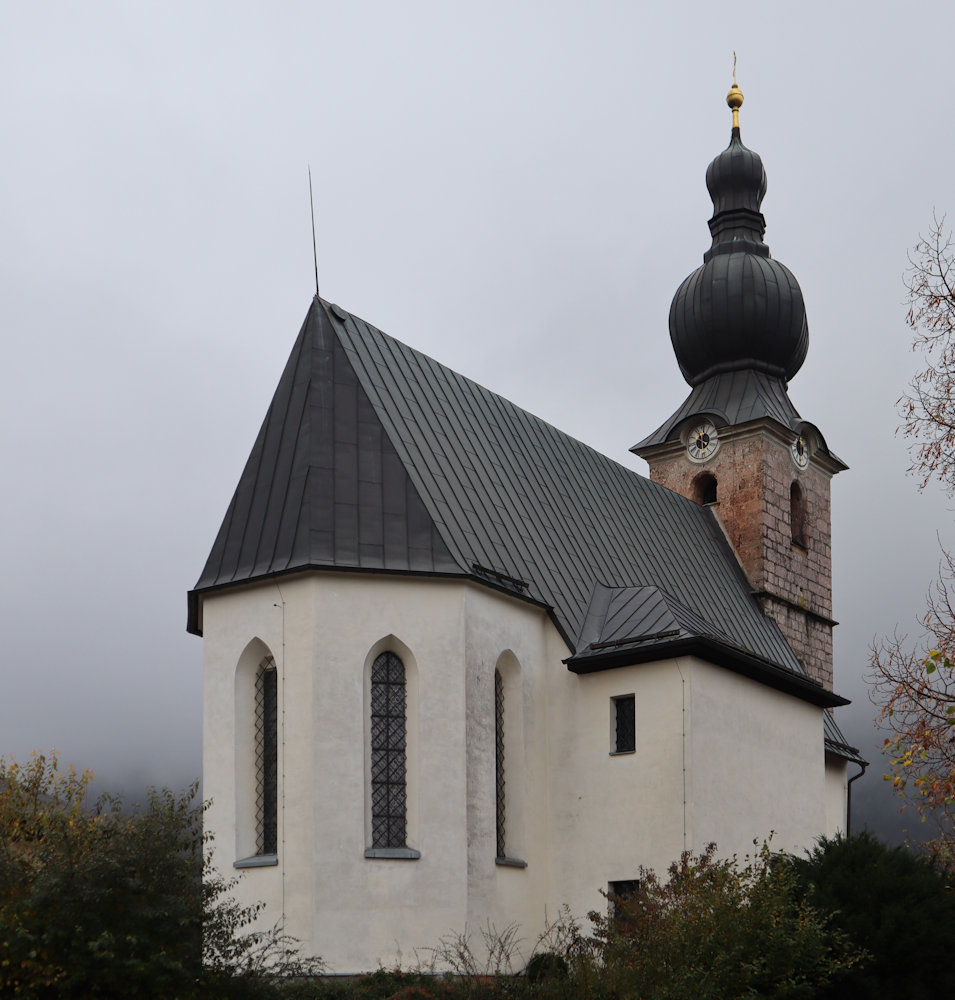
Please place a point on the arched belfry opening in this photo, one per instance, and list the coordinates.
(705, 488)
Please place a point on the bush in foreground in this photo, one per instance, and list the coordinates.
(895, 904)
(97, 901)
(718, 929)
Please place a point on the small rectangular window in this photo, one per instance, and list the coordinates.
(620, 892)
(625, 888)
(625, 736)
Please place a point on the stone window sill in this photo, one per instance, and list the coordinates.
(257, 861)
(510, 862)
(622, 753)
(394, 853)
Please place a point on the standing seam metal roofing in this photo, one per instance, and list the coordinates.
(514, 494)
(373, 456)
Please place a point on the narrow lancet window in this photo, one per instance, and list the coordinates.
(797, 516)
(266, 758)
(500, 792)
(389, 794)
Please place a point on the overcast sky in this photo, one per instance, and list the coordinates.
(515, 188)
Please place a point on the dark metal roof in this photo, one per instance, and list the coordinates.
(734, 398)
(836, 743)
(629, 625)
(621, 616)
(741, 309)
(375, 457)
(323, 485)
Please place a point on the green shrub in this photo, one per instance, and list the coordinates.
(896, 905)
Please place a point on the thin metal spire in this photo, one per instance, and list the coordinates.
(735, 98)
(311, 202)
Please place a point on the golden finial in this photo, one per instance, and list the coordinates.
(735, 97)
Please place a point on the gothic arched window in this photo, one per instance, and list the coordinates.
(266, 758)
(389, 796)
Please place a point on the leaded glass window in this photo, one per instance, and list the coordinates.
(625, 739)
(500, 794)
(389, 739)
(266, 758)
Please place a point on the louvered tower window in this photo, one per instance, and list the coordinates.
(389, 740)
(266, 758)
(500, 794)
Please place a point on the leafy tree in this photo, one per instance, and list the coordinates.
(928, 407)
(914, 688)
(915, 692)
(896, 905)
(98, 901)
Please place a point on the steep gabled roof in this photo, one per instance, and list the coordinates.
(375, 457)
(323, 485)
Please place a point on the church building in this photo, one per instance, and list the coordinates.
(460, 667)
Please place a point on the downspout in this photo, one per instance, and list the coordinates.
(849, 798)
(683, 719)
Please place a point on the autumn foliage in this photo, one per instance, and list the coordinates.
(721, 928)
(914, 686)
(97, 900)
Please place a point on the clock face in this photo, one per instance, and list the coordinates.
(702, 441)
(800, 452)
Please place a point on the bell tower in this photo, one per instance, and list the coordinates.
(737, 444)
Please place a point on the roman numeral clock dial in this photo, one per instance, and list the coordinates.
(800, 452)
(702, 441)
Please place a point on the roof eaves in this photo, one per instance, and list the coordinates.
(844, 751)
(716, 651)
(195, 597)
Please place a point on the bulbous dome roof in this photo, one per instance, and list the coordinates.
(741, 309)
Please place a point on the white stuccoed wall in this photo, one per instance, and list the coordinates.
(836, 776)
(750, 759)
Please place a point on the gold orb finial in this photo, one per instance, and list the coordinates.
(735, 97)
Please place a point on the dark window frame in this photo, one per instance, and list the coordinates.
(625, 724)
(620, 892)
(266, 732)
(389, 754)
(500, 777)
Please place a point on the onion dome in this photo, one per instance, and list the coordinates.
(741, 309)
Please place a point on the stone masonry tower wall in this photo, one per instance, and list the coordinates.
(789, 566)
